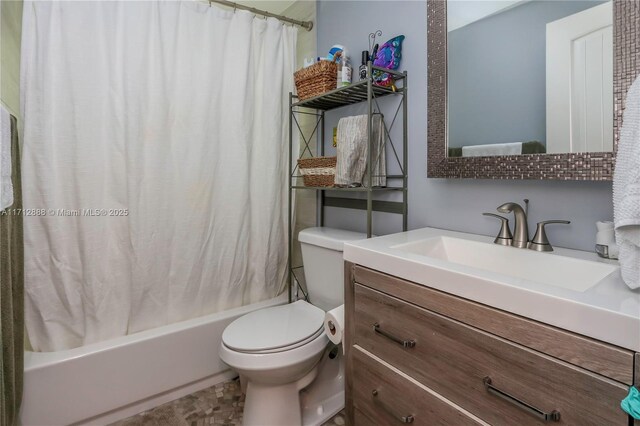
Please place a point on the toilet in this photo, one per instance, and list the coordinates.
(283, 350)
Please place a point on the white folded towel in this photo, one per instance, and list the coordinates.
(626, 190)
(6, 186)
(353, 151)
(512, 148)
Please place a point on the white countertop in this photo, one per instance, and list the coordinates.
(608, 311)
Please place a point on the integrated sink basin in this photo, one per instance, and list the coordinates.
(545, 268)
(570, 289)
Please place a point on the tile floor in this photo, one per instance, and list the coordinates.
(218, 405)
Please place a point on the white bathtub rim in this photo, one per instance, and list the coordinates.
(37, 360)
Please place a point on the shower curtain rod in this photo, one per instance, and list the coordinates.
(308, 25)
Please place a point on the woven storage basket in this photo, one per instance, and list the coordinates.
(318, 171)
(316, 79)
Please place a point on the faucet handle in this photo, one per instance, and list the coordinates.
(504, 236)
(540, 242)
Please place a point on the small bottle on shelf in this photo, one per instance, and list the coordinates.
(346, 71)
(363, 66)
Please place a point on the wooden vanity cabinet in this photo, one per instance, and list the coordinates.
(418, 355)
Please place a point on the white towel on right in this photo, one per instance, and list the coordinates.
(6, 185)
(353, 151)
(626, 190)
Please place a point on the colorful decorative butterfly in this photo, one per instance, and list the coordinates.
(388, 57)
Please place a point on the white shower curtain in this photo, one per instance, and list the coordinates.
(167, 123)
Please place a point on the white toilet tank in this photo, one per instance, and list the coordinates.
(323, 264)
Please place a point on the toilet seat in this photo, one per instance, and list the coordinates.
(275, 329)
(274, 361)
(286, 348)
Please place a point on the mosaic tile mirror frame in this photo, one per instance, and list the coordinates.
(594, 166)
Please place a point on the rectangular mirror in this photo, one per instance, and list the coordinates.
(529, 77)
(527, 89)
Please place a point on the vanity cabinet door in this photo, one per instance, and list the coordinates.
(498, 381)
(384, 397)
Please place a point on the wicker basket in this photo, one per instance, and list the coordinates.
(318, 171)
(316, 79)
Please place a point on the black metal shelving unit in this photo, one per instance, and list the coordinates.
(362, 91)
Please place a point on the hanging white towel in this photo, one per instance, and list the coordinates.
(6, 186)
(626, 190)
(353, 151)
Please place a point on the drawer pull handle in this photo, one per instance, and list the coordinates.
(403, 419)
(402, 342)
(553, 416)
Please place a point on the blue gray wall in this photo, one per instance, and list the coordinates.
(497, 74)
(448, 203)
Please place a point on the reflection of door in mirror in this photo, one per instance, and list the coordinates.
(580, 81)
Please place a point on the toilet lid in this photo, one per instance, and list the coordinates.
(273, 328)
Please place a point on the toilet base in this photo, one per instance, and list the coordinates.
(310, 401)
(325, 397)
(268, 405)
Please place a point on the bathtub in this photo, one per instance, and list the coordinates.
(108, 381)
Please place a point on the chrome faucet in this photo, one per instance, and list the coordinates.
(521, 231)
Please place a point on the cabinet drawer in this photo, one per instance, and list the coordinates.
(459, 361)
(384, 397)
(601, 358)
